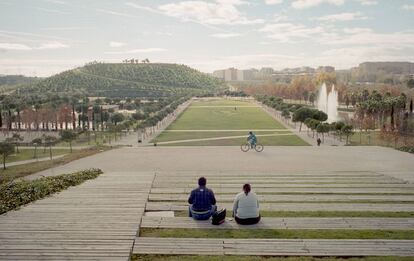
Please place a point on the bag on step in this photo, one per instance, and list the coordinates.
(218, 217)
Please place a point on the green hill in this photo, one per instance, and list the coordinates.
(129, 80)
(12, 82)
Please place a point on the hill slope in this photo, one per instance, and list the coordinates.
(129, 80)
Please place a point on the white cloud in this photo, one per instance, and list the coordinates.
(225, 35)
(52, 11)
(219, 12)
(273, 2)
(114, 13)
(52, 45)
(14, 46)
(60, 2)
(368, 2)
(408, 7)
(289, 32)
(342, 17)
(145, 50)
(116, 44)
(24, 47)
(302, 4)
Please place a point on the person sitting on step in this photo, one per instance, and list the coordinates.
(246, 207)
(202, 201)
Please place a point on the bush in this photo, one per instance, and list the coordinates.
(407, 149)
(16, 194)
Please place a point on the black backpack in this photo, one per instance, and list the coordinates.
(218, 217)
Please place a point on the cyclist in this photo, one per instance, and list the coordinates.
(252, 140)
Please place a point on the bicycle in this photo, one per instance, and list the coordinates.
(247, 146)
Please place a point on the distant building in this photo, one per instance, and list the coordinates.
(266, 70)
(245, 75)
(230, 74)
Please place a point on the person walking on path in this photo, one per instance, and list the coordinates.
(246, 207)
(318, 141)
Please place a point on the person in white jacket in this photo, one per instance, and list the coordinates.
(246, 207)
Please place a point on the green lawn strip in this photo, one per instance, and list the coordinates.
(186, 135)
(353, 201)
(16, 194)
(27, 154)
(18, 171)
(222, 102)
(137, 257)
(367, 214)
(285, 140)
(277, 233)
(211, 118)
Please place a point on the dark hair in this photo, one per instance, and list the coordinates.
(202, 181)
(247, 188)
(250, 132)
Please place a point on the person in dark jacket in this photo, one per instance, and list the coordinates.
(202, 201)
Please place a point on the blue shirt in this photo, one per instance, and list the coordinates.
(252, 138)
(202, 199)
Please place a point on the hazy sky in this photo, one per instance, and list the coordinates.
(42, 37)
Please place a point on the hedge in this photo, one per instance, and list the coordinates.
(18, 193)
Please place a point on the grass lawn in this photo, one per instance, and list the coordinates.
(373, 138)
(277, 233)
(225, 115)
(221, 102)
(27, 154)
(19, 171)
(371, 214)
(259, 258)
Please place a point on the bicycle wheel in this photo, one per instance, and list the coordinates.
(259, 147)
(245, 147)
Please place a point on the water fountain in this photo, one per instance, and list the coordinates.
(328, 103)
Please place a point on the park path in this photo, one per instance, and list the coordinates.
(97, 220)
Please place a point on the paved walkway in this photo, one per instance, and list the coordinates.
(97, 220)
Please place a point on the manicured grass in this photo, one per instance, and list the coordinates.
(367, 214)
(277, 233)
(221, 114)
(373, 138)
(222, 102)
(23, 170)
(282, 140)
(27, 154)
(224, 118)
(186, 135)
(259, 258)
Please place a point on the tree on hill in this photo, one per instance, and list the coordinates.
(6, 149)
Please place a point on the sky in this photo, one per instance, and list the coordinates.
(44, 37)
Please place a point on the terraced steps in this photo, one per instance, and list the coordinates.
(284, 223)
(273, 247)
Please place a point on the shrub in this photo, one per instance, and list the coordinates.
(16, 194)
(407, 149)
